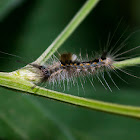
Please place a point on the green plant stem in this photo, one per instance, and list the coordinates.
(12, 81)
(127, 63)
(70, 28)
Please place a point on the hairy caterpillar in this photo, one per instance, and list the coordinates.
(69, 67)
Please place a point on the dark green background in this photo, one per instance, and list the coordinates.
(27, 28)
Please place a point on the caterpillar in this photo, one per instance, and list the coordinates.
(69, 67)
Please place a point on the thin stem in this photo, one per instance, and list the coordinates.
(128, 62)
(70, 28)
(13, 81)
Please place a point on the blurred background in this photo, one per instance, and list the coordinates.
(27, 28)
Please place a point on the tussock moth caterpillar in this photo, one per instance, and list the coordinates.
(69, 67)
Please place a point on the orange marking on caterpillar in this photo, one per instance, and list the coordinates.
(88, 64)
